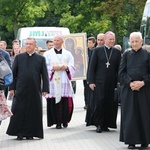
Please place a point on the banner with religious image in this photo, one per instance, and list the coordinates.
(77, 45)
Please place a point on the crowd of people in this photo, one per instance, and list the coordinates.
(49, 75)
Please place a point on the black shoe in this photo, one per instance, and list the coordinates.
(144, 145)
(58, 126)
(105, 129)
(131, 146)
(29, 137)
(98, 130)
(85, 107)
(19, 138)
(65, 125)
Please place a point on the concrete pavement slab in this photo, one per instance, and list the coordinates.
(76, 137)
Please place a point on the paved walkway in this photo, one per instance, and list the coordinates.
(76, 137)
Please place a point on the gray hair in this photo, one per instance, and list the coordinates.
(118, 47)
(100, 34)
(32, 38)
(139, 34)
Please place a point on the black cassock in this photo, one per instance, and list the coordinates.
(30, 80)
(135, 105)
(102, 109)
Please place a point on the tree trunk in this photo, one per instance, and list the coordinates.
(114, 21)
(15, 29)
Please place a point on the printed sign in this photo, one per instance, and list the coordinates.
(45, 33)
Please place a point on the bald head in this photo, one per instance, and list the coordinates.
(58, 41)
(100, 39)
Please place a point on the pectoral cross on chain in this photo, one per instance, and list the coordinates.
(107, 64)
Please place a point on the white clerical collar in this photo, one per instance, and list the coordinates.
(30, 54)
(108, 47)
(58, 49)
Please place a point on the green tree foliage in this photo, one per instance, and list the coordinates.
(125, 15)
(94, 16)
(90, 16)
(82, 17)
(53, 14)
(19, 13)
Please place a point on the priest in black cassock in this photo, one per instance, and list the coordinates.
(91, 45)
(102, 78)
(30, 83)
(134, 75)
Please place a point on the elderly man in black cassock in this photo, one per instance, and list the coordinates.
(134, 75)
(102, 78)
(30, 83)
